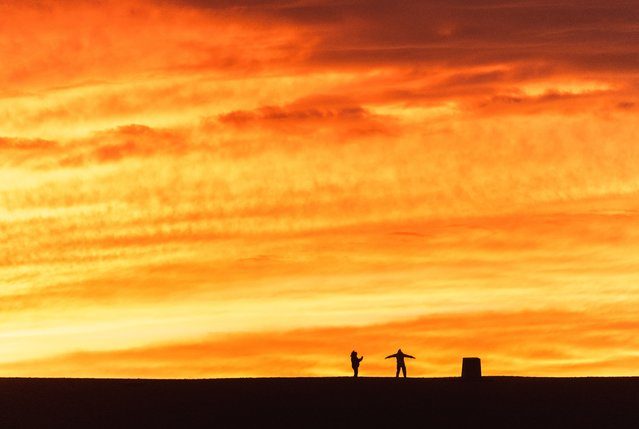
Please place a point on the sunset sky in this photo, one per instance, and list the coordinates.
(257, 187)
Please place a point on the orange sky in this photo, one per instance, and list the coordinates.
(257, 187)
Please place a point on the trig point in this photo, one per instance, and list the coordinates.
(471, 368)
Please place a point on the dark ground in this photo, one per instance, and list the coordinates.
(504, 402)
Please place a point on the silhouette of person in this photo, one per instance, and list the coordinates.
(355, 362)
(400, 361)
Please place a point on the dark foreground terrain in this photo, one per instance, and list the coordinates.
(503, 402)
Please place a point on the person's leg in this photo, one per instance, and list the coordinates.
(404, 370)
(397, 373)
(355, 370)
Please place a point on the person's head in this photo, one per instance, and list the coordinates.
(399, 350)
(353, 353)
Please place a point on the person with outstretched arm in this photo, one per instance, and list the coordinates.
(355, 361)
(400, 361)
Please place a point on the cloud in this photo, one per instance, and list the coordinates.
(26, 144)
(307, 117)
(544, 343)
(72, 43)
(374, 53)
(574, 34)
(127, 142)
(274, 113)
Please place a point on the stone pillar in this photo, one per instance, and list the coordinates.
(471, 368)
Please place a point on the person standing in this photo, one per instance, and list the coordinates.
(400, 361)
(355, 361)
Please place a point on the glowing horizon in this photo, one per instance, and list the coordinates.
(284, 182)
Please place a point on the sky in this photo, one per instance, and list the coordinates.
(200, 189)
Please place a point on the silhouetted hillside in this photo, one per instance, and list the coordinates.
(320, 402)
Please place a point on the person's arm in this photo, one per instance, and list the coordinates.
(409, 356)
(361, 359)
(387, 357)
